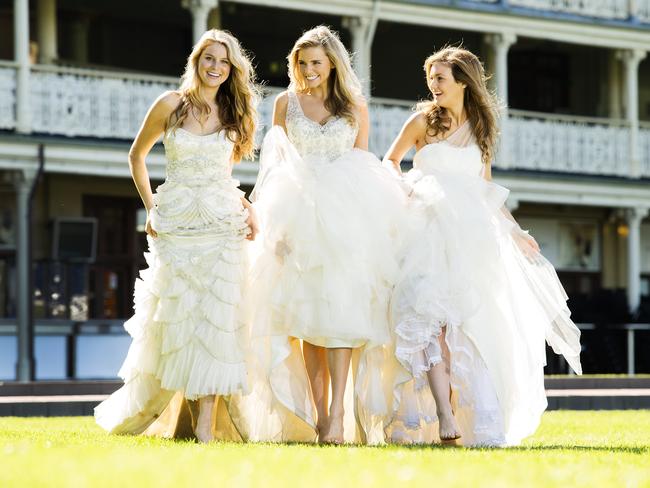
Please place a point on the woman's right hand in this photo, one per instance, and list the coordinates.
(148, 227)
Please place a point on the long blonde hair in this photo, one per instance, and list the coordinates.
(236, 99)
(480, 104)
(344, 88)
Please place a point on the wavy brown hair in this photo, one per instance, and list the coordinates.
(344, 88)
(480, 104)
(236, 98)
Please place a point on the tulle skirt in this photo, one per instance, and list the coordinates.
(189, 334)
(463, 271)
(322, 273)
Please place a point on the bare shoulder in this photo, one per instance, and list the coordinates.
(282, 100)
(166, 103)
(361, 106)
(417, 122)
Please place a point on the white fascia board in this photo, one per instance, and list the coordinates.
(609, 193)
(610, 37)
(352, 8)
(98, 161)
(556, 30)
(95, 161)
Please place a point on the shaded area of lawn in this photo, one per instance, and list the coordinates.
(571, 448)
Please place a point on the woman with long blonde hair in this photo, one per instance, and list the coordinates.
(188, 332)
(327, 209)
(475, 299)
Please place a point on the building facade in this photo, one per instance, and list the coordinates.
(76, 79)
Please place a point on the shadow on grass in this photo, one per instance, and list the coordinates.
(576, 448)
(438, 447)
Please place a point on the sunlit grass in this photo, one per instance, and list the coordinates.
(604, 448)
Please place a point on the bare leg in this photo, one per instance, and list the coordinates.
(203, 430)
(319, 379)
(338, 360)
(439, 383)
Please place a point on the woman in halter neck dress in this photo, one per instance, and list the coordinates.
(327, 210)
(188, 333)
(475, 298)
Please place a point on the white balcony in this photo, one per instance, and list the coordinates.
(560, 143)
(111, 105)
(603, 9)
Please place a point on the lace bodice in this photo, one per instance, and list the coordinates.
(329, 140)
(458, 153)
(196, 159)
(199, 195)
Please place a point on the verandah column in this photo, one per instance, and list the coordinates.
(21, 56)
(631, 59)
(200, 10)
(634, 217)
(47, 35)
(500, 44)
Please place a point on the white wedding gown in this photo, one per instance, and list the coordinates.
(188, 332)
(325, 265)
(462, 269)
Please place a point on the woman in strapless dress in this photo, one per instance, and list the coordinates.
(189, 335)
(475, 300)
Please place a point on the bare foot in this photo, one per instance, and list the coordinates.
(448, 427)
(334, 431)
(203, 430)
(321, 427)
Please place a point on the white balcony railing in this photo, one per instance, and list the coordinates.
(644, 149)
(7, 96)
(601, 9)
(551, 142)
(606, 9)
(109, 105)
(81, 102)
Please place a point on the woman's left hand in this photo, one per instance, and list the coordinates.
(252, 223)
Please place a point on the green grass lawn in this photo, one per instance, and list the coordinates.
(603, 448)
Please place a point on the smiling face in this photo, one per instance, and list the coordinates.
(315, 67)
(447, 92)
(214, 65)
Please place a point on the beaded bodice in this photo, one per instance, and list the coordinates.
(199, 195)
(193, 158)
(329, 140)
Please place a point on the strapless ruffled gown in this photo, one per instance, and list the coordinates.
(462, 269)
(189, 335)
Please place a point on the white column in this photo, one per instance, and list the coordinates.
(79, 35)
(23, 182)
(614, 86)
(501, 45)
(360, 30)
(631, 59)
(214, 18)
(21, 43)
(634, 217)
(47, 40)
(200, 10)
